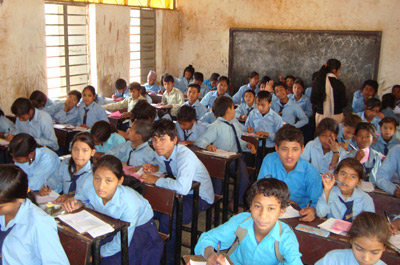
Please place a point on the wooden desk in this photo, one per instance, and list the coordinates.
(156, 98)
(385, 202)
(117, 122)
(186, 258)
(64, 137)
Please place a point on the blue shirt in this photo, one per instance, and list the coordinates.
(48, 104)
(33, 238)
(113, 140)
(152, 88)
(304, 181)
(308, 92)
(41, 128)
(372, 165)
(95, 113)
(200, 109)
(210, 97)
(41, 169)
(139, 156)
(304, 103)
(208, 118)
(239, 95)
(184, 82)
(359, 101)
(249, 251)
(181, 85)
(124, 94)
(341, 257)
(58, 114)
(336, 209)
(186, 167)
(126, 205)
(207, 82)
(244, 109)
(192, 134)
(341, 139)
(7, 126)
(290, 111)
(390, 169)
(380, 144)
(270, 122)
(375, 121)
(203, 90)
(388, 112)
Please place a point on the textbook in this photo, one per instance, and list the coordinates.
(219, 153)
(336, 226)
(312, 230)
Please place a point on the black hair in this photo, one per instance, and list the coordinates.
(280, 84)
(394, 87)
(221, 105)
(388, 101)
(102, 130)
(186, 113)
(269, 187)
(76, 93)
(143, 111)
(370, 225)
(22, 145)
(318, 92)
(314, 76)
(163, 127)
(265, 79)
(251, 91)
(366, 126)
(21, 106)
(351, 120)
(223, 78)
(352, 163)
(264, 95)
(14, 184)
(1, 113)
(289, 76)
(289, 133)
(143, 91)
(134, 85)
(194, 85)
(120, 84)
(91, 88)
(372, 103)
(252, 74)
(189, 69)
(198, 76)
(389, 120)
(167, 78)
(143, 128)
(327, 124)
(214, 77)
(300, 82)
(371, 83)
(86, 138)
(38, 97)
(115, 166)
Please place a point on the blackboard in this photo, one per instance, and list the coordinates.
(302, 52)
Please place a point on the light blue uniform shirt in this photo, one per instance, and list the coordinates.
(193, 134)
(41, 169)
(208, 118)
(249, 251)
(271, 122)
(184, 82)
(341, 139)
(372, 165)
(95, 113)
(336, 209)
(203, 90)
(244, 109)
(152, 88)
(341, 257)
(124, 94)
(126, 205)
(239, 95)
(314, 154)
(375, 121)
(304, 103)
(113, 140)
(48, 104)
(33, 238)
(179, 84)
(58, 114)
(308, 92)
(207, 82)
(200, 109)
(210, 97)
(390, 169)
(358, 104)
(388, 112)
(41, 128)
(304, 181)
(186, 167)
(7, 126)
(380, 144)
(99, 100)
(133, 156)
(290, 112)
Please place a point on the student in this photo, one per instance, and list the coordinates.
(34, 122)
(198, 78)
(267, 84)
(143, 111)
(105, 136)
(289, 80)
(172, 96)
(309, 89)
(346, 131)
(263, 120)
(344, 201)
(389, 136)
(109, 195)
(396, 93)
(151, 84)
(245, 108)
(193, 94)
(370, 114)
(253, 85)
(368, 157)
(39, 163)
(90, 111)
(324, 153)
(66, 113)
(299, 97)
(369, 90)
(268, 199)
(121, 90)
(222, 87)
(390, 169)
(287, 108)
(183, 165)
(285, 164)
(6, 126)
(144, 94)
(40, 100)
(27, 234)
(368, 236)
(188, 129)
(208, 118)
(212, 81)
(388, 106)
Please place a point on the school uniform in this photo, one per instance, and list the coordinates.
(308, 92)
(207, 82)
(203, 90)
(7, 126)
(133, 156)
(179, 85)
(210, 97)
(244, 109)
(32, 238)
(148, 99)
(41, 128)
(290, 112)
(305, 104)
(208, 118)
(341, 257)
(114, 139)
(388, 112)
(340, 138)
(249, 251)
(372, 166)
(124, 94)
(145, 245)
(375, 121)
(58, 114)
(304, 181)
(200, 109)
(314, 154)
(383, 147)
(239, 95)
(94, 112)
(152, 88)
(389, 171)
(185, 83)
(359, 101)
(48, 104)
(174, 98)
(192, 134)
(270, 122)
(41, 169)
(336, 207)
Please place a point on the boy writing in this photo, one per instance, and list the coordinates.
(193, 94)
(121, 91)
(188, 128)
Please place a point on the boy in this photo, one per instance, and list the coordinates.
(285, 164)
(121, 91)
(35, 122)
(66, 113)
(198, 78)
(245, 108)
(40, 100)
(222, 87)
(289, 80)
(172, 97)
(290, 111)
(212, 81)
(369, 90)
(389, 136)
(188, 128)
(184, 167)
(346, 131)
(267, 84)
(396, 93)
(253, 78)
(389, 170)
(193, 94)
(370, 114)
(151, 85)
(268, 199)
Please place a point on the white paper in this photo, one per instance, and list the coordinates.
(4, 142)
(328, 226)
(192, 262)
(81, 129)
(157, 174)
(219, 153)
(395, 240)
(52, 196)
(366, 186)
(60, 126)
(290, 212)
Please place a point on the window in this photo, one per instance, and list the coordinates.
(66, 48)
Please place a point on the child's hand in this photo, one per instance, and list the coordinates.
(359, 155)
(214, 258)
(395, 226)
(381, 115)
(63, 198)
(328, 179)
(261, 133)
(84, 126)
(211, 148)
(149, 179)
(307, 214)
(250, 129)
(243, 117)
(397, 193)
(269, 86)
(114, 96)
(333, 145)
(71, 205)
(252, 148)
(44, 191)
(345, 146)
(149, 168)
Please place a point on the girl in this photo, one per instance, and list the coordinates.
(187, 76)
(105, 136)
(329, 93)
(108, 196)
(27, 234)
(38, 163)
(299, 97)
(368, 236)
(90, 111)
(253, 85)
(6, 126)
(74, 171)
(344, 201)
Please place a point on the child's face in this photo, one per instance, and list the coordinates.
(289, 153)
(133, 136)
(254, 81)
(249, 98)
(27, 116)
(188, 75)
(192, 94)
(164, 145)
(367, 250)
(263, 106)
(10, 208)
(81, 153)
(263, 87)
(387, 130)
(222, 87)
(168, 86)
(349, 177)
(186, 125)
(371, 113)
(88, 97)
(150, 81)
(289, 82)
(363, 139)
(280, 92)
(134, 93)
(298, 90)
(71, 101)
(213, 83)
(265, 211)
(396, 93)
(327, 138)
(105, 183)
(230, 113)
(368, 92)
(348, 132)
(199, 82)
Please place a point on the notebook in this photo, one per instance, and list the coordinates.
(312, 230)
(51, 197)
(192, 262)
(290, 212)
(219, 153)
(336, 226)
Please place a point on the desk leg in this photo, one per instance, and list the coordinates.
(225, 194)
(96, 252)
(178, 229)
(195, 219)
(236, 187)
(124, 247)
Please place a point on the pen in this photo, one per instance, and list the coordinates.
(84, 201)
(329, 177)
(388, 219)
(352, 146)
(218, 248)
(309, 203)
